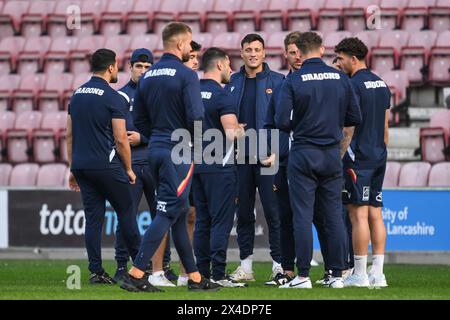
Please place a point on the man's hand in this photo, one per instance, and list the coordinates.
(134, 138)
(270, 161)
(132, 176)
(73, 184)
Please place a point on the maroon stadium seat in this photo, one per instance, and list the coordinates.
(432, 144)
(440, 175)
(414, 174)
(149, 41)
(386, 56)
(78, 80)
(370, 38)
(9, 51)
(55, 60)
(331, 40)
(34, 22)
(5, 174)
(415, 15)
(246, 19)
(167, 12)
(50, 97)
(304, 16)
(62, 147)
(391, 13)
(355, 16)
(275, 50)
(399, 80)
(415, 55)
(330, 16)
(7, 119)
(18, 140)
(139, 20)
(275, 17)
(11, 16)
(119, 44)
(439, 16)
(24, 175)
(8, 84)
(392, 174)
(51, 175)
(204, 39)
(58, 19)
(440, 60)
(230, 41)
(24, 98)
(219, 19)
(30, 60)
(112, 21)
(90, 17)
(78, 58)
(195, 13)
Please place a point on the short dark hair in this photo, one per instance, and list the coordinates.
(102, 59)
(308, 41)
(250, 38)
(210, 56)
(291, 38)
(352, 47)
(196, 47)
(173, 29)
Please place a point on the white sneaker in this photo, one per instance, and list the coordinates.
(347, 273)
(377, 280)
(229, 283)
(334, 282)
(160, 281)
(314, 263)
(356, 280)
(182, 281)
(241, 275)
(298, 283)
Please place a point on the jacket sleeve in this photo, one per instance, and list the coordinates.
(192, 99)
(141, 117)
(353, 112)
(284, 106)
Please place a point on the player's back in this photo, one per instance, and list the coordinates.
(367, 146)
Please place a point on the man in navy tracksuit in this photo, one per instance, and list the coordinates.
(100, 159)
(252, 88)
(167, 102)
(316, 102)
(141, 60)
(365, 164)
(215, 179)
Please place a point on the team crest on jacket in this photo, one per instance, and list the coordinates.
(269, 91)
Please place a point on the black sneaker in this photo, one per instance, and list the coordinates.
(132, 284)
(279, 279)
(203, 285)
(120, 274)
(101, 278)
(170, 274)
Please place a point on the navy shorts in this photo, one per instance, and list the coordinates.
(364, 186)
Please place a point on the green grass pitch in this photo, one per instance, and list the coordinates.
(46, 279)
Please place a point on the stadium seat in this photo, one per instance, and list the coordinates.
(7, 119)
(219, 19)
(204, 39)
(30, 60)
(415, 15)
(5, 174)
(140, 19)
(370, 38)
(8, 84)
(331, 40)
(62, 147)
(149, 41)
(329, 19)
(275, 50)
(440, 60)
(414, 57)
(90, 17)
(10, 17)
(78, 58)
(119, 44)
(432, 144)
(78, 80)
(414, 174)
(439, 16)
(391, 13)
(55, 60)
(34, 22)
(400, 81)
(246, 20)
(23, 98)
(392, 174)
(51, 175)
(440, 175)
(230, 41)
(275, 17)
(18, 140)
(355, 16)
(24, 175)
(112, 21)
(50, 97)
(9, 51)
(304, 17)
(167, 12)
(57, 21)
(385, 57)
(195, 13)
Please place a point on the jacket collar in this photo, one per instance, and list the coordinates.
(313, 60)
(260, 75)
(170, 56)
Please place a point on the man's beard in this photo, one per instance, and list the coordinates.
(185, 57)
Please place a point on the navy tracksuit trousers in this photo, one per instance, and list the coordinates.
(215, 203)
(96, 187)
(315, 182)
